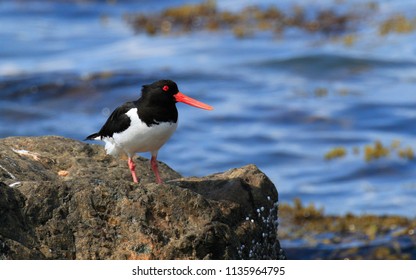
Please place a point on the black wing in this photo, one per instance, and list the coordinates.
(117, 122)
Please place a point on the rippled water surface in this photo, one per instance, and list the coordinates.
(281, 102)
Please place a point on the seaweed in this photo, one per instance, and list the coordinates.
(244, 23)
(349, 236)
(374, 151)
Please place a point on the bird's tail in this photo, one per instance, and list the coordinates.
(94, 136)
(110, 145)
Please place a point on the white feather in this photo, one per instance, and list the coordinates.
(139, 137)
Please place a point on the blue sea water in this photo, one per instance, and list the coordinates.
(281, 102)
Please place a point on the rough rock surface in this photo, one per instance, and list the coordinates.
(65, 199)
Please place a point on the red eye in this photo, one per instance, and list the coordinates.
(165, 88)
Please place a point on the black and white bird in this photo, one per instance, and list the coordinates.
(144, 125)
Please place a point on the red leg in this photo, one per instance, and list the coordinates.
(153, 163)
(132, 168)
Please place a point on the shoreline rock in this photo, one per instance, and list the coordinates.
(65, 199)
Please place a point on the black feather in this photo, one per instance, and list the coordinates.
(117, 122)
(92, 136)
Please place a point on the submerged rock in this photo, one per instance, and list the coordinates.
(64, 199)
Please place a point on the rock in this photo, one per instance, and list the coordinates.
(65, 199)
(17, 235)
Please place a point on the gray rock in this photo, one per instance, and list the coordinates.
(65, 199)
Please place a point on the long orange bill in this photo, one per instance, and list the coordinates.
(180, 97)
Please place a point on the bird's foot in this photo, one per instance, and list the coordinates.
(153, 163)
(132, 168)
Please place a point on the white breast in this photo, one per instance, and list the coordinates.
(139, 137)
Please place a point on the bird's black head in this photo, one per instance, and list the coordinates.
(161, 92)
(166, 93)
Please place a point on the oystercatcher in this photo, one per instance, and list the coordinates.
(144, 125)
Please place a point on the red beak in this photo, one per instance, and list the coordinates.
(180, 97)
